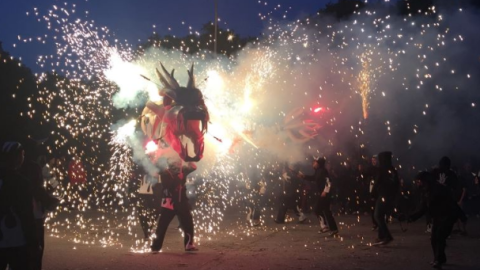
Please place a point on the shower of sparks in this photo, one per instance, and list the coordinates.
(249, 99)
(364, 81)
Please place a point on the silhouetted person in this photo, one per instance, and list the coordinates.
(447, 177)
(289, 197)
(322, 209)
(438, 202)
(256, 201)
(148, 204)
(175, 203)
(43, 200)
(372, 175)
(18, 237)
(385, 190)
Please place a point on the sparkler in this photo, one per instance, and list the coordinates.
(365, 88)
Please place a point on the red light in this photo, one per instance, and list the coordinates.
(318, 109)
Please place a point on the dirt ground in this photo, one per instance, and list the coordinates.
(275, 246)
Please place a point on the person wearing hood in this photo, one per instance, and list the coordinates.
(447, 177)
(43, 200)
(18, 237)
(175, 203)
(438, 202)
(385, 190)
(322, 208)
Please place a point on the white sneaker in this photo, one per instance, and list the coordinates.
(249, 214)
(429, 228)
(191, 247)
(323, 225)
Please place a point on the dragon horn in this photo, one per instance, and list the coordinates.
(162, 79)
(172, 82)
(191, 78)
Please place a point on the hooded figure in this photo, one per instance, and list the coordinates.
(322, 209)
(18, 237)
(445, 176)
(385, 190)
(438, 203)
(43, 200)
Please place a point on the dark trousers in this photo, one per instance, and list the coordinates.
(441, 229)
(148, 212)
(255, 205)
(182, 211)
(372, 203)
(37, 256)
(322, 209)
(286, 202)
(383, 209)
(16, 258)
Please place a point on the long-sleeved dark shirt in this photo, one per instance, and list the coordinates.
(386, 184)
(437, 202)
(321, 178)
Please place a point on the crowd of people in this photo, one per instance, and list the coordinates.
(444, 196)
(28, 183)
(31, 185)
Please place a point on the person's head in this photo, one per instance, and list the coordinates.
(424, 180)
(444, 163)
(52, 161)
(385, 160)
(319, 163)
(12, 155)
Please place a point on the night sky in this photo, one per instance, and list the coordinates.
(133, 20)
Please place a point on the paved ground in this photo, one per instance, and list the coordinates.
(273, 246)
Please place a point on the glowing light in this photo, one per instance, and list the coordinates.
(151, 147)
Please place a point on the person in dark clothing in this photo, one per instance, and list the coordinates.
(322, 209)
(18, 237)
(256, 201)
(385, 190)
(43, 200)
(447, 177)
(372, 175)
(148, 203)
(175, 203)
(290, 195)
(438, 202)
(346, 186)
(470, 179)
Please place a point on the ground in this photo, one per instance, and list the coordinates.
(275, 246)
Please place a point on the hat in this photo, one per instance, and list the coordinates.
(11, 147)
(8, 151)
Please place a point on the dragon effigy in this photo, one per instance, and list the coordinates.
(180, 119)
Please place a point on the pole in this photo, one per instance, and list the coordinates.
(216, 27)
